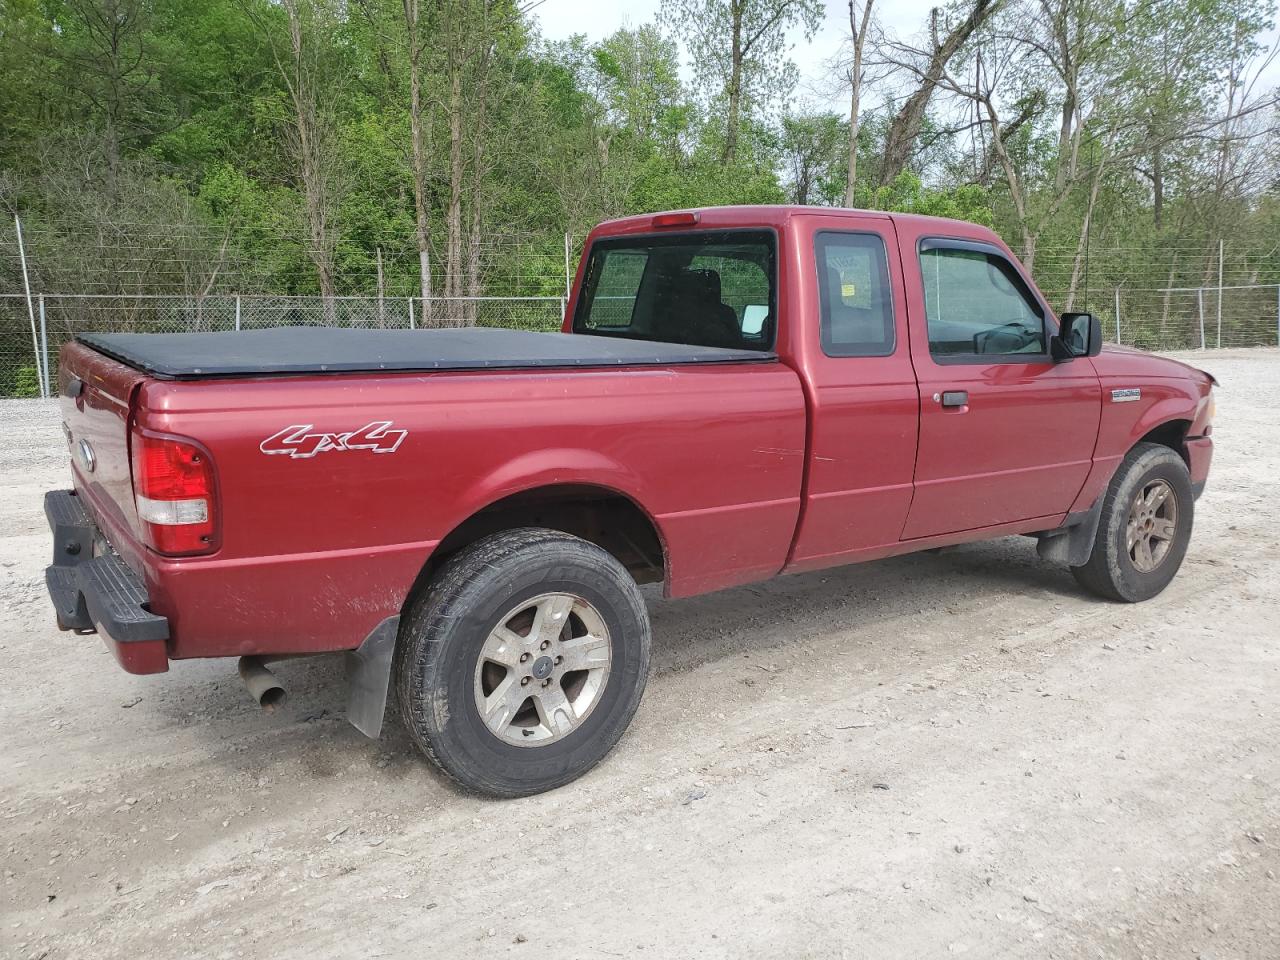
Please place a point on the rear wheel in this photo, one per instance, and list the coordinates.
(1144, 529)
(522, 663)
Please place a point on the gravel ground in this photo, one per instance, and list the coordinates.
(922, 757)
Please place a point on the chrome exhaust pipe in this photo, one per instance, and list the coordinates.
(261, 683)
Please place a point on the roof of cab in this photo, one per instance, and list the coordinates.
(765, 216)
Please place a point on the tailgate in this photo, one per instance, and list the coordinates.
(96, 398)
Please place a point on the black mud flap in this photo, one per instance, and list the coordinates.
(1072, 543)
(369, 677)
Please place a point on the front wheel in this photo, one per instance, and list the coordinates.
(522, 663)
(1144, 529)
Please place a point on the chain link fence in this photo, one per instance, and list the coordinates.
(29, 350)
(1168, 319)
(1185, 318)
(1195, 318)
(1200, 318)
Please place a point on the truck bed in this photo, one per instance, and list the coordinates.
(315, 350)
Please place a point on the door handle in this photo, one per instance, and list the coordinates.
(953, 398)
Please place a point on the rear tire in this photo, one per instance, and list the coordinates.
(1145, 527)
(523, 661)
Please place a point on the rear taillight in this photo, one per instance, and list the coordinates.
(173, 489)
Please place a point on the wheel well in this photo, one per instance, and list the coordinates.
(604, 517)
(1172, 434)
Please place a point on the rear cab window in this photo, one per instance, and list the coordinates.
(710, 289)
(854, 295)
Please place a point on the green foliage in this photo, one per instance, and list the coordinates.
(815, 157)
(26, 382)
(702, 182)
(164, 155)
(908, 195)
(738, 52)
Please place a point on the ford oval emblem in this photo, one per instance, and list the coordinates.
(87, 456)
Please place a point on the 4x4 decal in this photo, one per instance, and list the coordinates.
(299, 443)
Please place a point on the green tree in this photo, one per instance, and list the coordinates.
(738, 50)
(815, 153)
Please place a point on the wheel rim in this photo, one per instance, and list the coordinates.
(1153, 525)
(542, 669)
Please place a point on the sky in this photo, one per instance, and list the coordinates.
(901, 18)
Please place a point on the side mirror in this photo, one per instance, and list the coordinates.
(1080, 335)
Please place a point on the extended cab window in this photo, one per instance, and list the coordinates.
(977, 306)
(711, 289)
(853, 290)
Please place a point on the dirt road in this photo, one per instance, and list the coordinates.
(930, 756)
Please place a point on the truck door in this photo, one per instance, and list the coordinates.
(849, 337)
(1006, 434)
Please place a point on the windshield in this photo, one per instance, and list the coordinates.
(705, 289)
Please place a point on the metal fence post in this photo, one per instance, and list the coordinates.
(382, 293)
(1118, 340)
(26, 283)
(568, 278)
(237, 311)
(44, 349)
(1200, 309)
(1221, 248)
(410, 299)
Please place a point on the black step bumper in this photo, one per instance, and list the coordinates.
(100, 594)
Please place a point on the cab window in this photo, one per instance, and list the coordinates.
(854, 296)
(712, 289)
(977, 305)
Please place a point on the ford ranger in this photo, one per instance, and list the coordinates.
(737, 393)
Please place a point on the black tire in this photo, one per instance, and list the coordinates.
(446, 626)
(1111, 571)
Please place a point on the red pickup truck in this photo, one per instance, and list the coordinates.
(737, 393)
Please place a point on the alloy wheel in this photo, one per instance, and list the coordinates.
(1152, 525)
(542, 669)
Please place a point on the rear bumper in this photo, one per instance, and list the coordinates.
(100, 594)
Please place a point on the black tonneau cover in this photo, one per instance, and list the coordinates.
(293, 350)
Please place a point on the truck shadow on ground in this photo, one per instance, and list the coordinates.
(860, 597)
(226, 778)
(871, 600)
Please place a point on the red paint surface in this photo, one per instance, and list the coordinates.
(746, 470)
